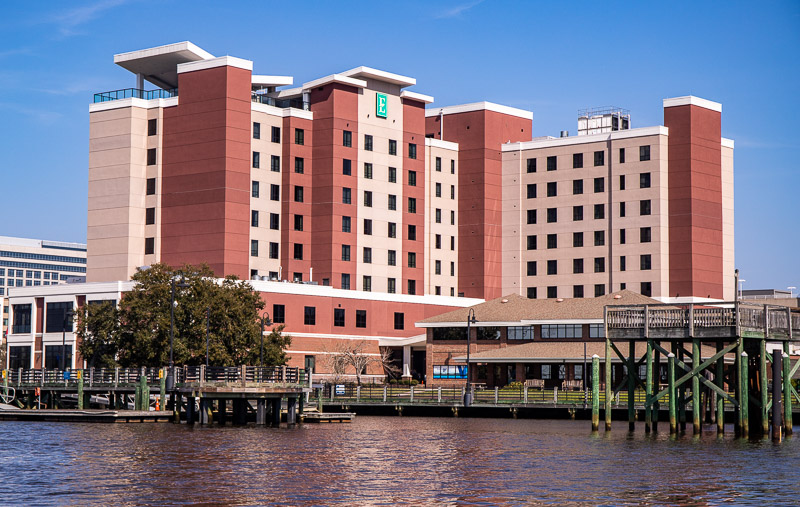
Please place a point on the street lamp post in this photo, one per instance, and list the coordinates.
(265, 321)
(208, 318)
(67, 317)
(467, 392)
(170, 372)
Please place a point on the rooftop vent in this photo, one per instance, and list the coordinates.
(565, 133)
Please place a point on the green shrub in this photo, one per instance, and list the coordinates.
(515, 385)
(393, 381)
(414, 382)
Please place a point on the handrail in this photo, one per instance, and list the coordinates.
(136, 93)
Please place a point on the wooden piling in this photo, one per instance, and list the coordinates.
(80, 392)
(607, 403)
(205, 411)
(261, 412)
(631, 385)
(190, 411)
(648, 385)
(696, 406)
(745, 387)
(657, 386)
(673, 420)
(291, 410)
(162, 388)
(777, 392)
(222, 412)
(787, 391)
(762, 387)
(595, 392)
(239, 411)
(720, 382)
(276, 411)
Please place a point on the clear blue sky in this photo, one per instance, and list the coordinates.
(549, 57)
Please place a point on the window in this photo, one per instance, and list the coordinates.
(279, 314)
(59, 317)
(276, 134)
(577, 160)
(274, 221)
(392, 233)
(452, 167)
(310, 315)
(438, 190)
(392, 259)
(552, 241)
(412, 260)
(577, 239)
(552, 215)
(391, 285)
(622, 209)
(151, 156)
(412, 153)
(599, 264)
(452, 191)
(552, 292)
(151, 186)
(644, 180)
(552, 189)
(597, 331)
(531, 216)
(346, 199)
(622, 263)
(645, 235)
(275, 164)
(562, 331)
(338, 317)
(273, 250)
(345, 252)
(622, 236)
(346, 281)
(599, 158)
(577, 266)
(298, 252)
(532, 242)
(275, 192)
(452, 268)
(599, 211)
(546, 372)
(531, 165)
(531, 292)
(520, 332)
(392, 147)
(347, 167)
(368, 227)
(412, 205)
(367, 142)
(551, 163)
(299, 165)
(450, 372)
(487, 333)
(599, 290)
(299, 136)
(256, 159)
(149, 248)
(577, 291)
(531, 190)
(438, 241)
(298, 222)
(599, 238)
(347, 138)
(254, 248)
(644, 153)
(345, 224)
(298, 193)
(367, 255)
(150, 216)
(412, 178)
(367, 198)
(412, 287)
(22, 319)
(644, 207)
(622, 155)
(366, 283)
(368, 170)
(452, 242)
(392, 202)
(361, 318)
(437, 267)
(152, 127)
(647, 287)
(645, 262)
(531, 268)
(392, 175)
(577, 187)
(253, 218)
(399, 320)
(599, 185)
(412, 232)
(577, 213)
(438, 216)
(622, 182)
(438, 164)
(552, 267)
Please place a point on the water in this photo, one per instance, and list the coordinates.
(388, 460)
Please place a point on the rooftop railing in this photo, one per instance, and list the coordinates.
(296, 103)
(128, 93)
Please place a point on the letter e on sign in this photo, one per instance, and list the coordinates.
(380, 105)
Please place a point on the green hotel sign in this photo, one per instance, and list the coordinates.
(380, 105)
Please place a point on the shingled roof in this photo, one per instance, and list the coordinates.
(515, 308)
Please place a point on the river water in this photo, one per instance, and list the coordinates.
(386, 461)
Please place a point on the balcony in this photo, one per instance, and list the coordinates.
(128, 93)
(296, 103)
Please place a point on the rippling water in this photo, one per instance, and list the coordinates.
(388, 460)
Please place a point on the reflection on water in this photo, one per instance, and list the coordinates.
(385, 460)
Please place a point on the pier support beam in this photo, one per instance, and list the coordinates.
(696, 406)
(176, 408)
(222, 412)
(648, 393)
(80, 393)
(608, 385)
(787, 391)
(631, 385)
(745, 387)
(291, 411)
(276, 411)
(595, 392)
(720, 382)
(777, 392)
(205, 411)
(657, 380)
(162, 388)
(239, 411)
(190, 411)
(763, 386)
(673, 420)
(261, 412)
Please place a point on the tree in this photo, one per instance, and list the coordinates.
(352, 355)
(99, 332)
(143, 320)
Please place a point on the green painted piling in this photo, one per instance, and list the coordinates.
(648, 395)
(631, 385)
(787, 391)
(720, 382)
(595, 392)
(673, 415)
(144, 393)
(657, 380)
(162, 388)
(696, 409)
(80, 392)
(763, 388)
(745, 409)
(608, 385)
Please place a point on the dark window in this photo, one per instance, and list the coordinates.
(599, 290)
(275, 192)
(552, 189)
(367, 198)
(412, 153)
(531, 268)
(552, 267)
(367, 255)
(551, 163)
(22, 320)
(599, 238)
(276, 134)
(647, 287)
(552, 292)
(275, 164)
(152, 127)
(392, 147)
(412, 205)
(151, 156)
(346, 196)
(392, 175)
(599, 158)
(644, 153)
(412, 287)
(552, 215)
(338, 317)
(256, 130)
(347, 167)
(273, 250)
(367, 142)
(577, 160)
(531, 190)
(552, 241)
(309, 315)
(412, 260)
(368, 170)
(347, 138)
(149, 246)
(622, 209)
(391, 285)
(531, 293)
(645, 262)
(531, 165)
(254, 192)
(399, 320)
(298, 222)
(577, 213)
(622, 263)
(452, 242)
(599, 211)
(345, 224)
(622, 155)
(256, 159)
(577, 266)
(361, 318)
(438, 164)
(577, 239)
(52, 354)
(59, 317)
(644, 207)
(150, 216)
(345, 252)
(392, 230)
(278, 314)
(622, 236)
(645, 235)
(599, 185)
(299, 165)
(644, 180)
(367, 226)
(346, 281)
(452, 167)
(577, 291)
(577, 187)
(253, 218)
(254, 248)
(622, 182)
(298, 193)
(310, 364)
(532, 242)
(452, 191)
(531, 216)
(412, 178)
(392, 204)
(299, 136)
(151, 186)
(599, 264)
(392, 258)
(298, 252)
(438, 241)
(438, 190)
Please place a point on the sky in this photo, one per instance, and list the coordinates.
(552, 58)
